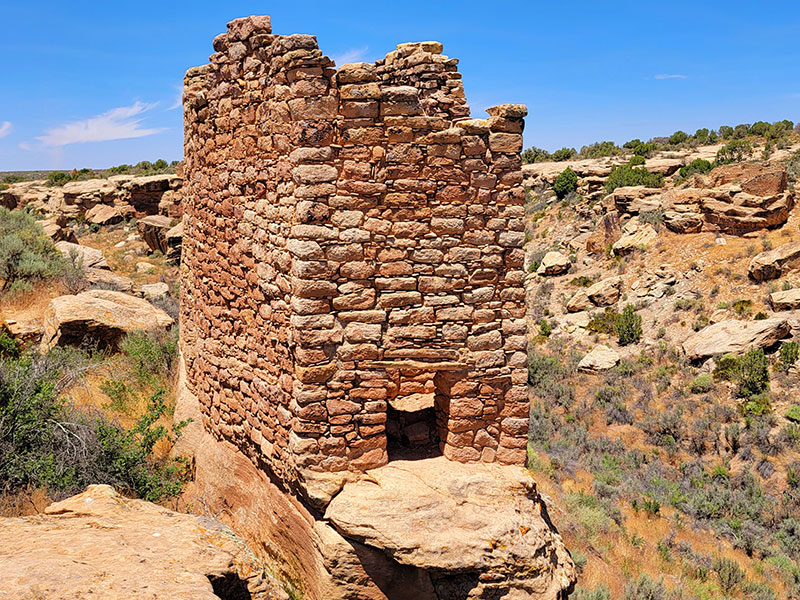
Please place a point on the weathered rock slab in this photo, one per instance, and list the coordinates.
(99, 316)
(785, 299)
(99, 545)
(601, 358)
(772, 263)
(446, 516)
(554, 263)
(88, 257)
(735, 337)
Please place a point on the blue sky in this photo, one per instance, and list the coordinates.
(77, 73)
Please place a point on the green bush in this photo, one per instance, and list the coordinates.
(9, 348)
(793, 413)
(600, 149)
(735, 151)
(701, 384)
(698, 165)
(150, 354)
(26, 253)
(679, 137)
(563, 154)
(728, 572)
(605, 322)
(787, 355)
(565, 183)
(644, 588)
(534, 154)
(45, 442)
(625, 175)
(628, 326)
(601, 592)
(636, 160)
(752, 373)
(645, 149)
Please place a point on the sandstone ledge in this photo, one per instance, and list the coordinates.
(99, 545)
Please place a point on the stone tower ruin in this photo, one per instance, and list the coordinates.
(353, 284)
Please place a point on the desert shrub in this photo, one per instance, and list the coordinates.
(601, 592)
(742, 307)
(753, 590)
(645, 149)
(752, 373)
(636, 160)
(46, 442)
(793, 413)
(600, 149)
(679, 137)
(735, 151)
(150, 354)
(604, 322)
(653, 217)
(582, 281)
(588, 511)
(625, 175)
(729, 573)
(644, 588)
(698, 165)
(563, 154)
(26, 253)
(74, 275)
(545, 328)
(546, 374)
(534, 154)
(787, 355)
(701, 384)
(628, 326)
(565, 183)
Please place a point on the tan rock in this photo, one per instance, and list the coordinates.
(785, 299)
(605, 292)
(437, 515)
(735, 337)
(103, 215)
(607, 232)
(636, 199)
(107, 280)
(89, 257)
(554, 263)
(683, 222)
(773, 263)
(579, 301)
(98, 316)
(153, 230)
(127, 549)
(601, 358)
(641, 237)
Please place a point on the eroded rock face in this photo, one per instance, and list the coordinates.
(772, 263)
(607, 232)
(99, 316)
(785, 299)
(605, 292)
(736, 337)
(99, 545)
(479, 527)
(638, 237)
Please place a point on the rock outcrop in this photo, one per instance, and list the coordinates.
(600, 358)
(785, 299)
(605, 292)
(85, 255)
(554, 263)
(99, 545)
(465, 526)
(735, 337)
(99, 317)
(771, 264)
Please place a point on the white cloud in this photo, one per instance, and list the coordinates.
(178, 102)
(350, 56)
(116, 124)
(5, 128)
(671, 77)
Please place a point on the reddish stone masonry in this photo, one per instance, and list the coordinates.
(352, 279)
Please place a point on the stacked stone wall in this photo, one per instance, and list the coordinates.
(350, 234)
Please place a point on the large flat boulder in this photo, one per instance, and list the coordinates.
(636, 199)
(605, 292)
(601, 358)
(785, 299)
(773, 263)
(637, 238)
(88, 193)
(98, 317)
(99, 545)
(89, 257)
(735, 337)
(554, 263)
(449, 518)
(605, 234)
